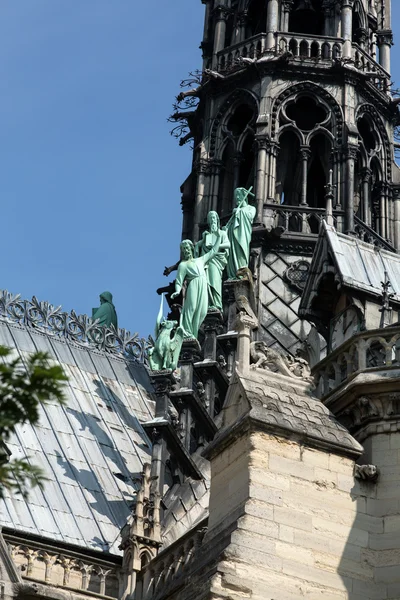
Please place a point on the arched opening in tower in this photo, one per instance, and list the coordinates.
(307, 17)
(256, 18)
(226, 184)
(288, 170)
(318, 169)
(375, 188)
(247, 163)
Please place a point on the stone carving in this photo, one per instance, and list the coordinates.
(193, 271)
(79, 329)
(264, 357)
(366, 473)
(218, 263)
(166, 349)
(297, 274)
(239, 229)
(76, 573)
(105, 314)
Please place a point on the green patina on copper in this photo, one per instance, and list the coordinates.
(193, 271)
(239, 229)
(217, 264)
(166, 349)
(105, 313)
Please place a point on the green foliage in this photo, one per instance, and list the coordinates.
(23, 387)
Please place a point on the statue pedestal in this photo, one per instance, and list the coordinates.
(212, 327)
(190, 353)
(162, 382)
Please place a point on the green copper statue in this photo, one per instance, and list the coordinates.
(239, 228)
(193, 271)
(217, 264)
(105, 313)
(166, 350)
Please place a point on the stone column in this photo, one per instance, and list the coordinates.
(347, 25)
(272, 153)
(220, 31)
(216, 166)
(202, 170)
(351, 155)
(365, 180)
(305, 154)
(162, 384)
(383, 190)
(385, 42)
(237, 161)
(336, 161)
(287, 6)
(262, 144)
(206, 44)
(329, 200)
(328, 15)
(272, 23)
(212, 327)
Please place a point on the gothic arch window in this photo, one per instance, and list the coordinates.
(374, 138)
(247, 163)
(318, 169)
(288, 176)
(305, 142)
(226, 182)
(375, 195)
(236, 134)
(307, 17)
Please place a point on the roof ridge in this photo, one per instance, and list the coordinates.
(79, 329)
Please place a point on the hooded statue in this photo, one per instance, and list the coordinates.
(105, 313)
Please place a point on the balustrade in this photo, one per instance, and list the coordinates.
(367, 234)
(309, 47)
(364, 63)
(299, 219)
(253, 48)
(379, 348)
(168, 566)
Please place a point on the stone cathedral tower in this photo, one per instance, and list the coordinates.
(243, 473)
(295, 101)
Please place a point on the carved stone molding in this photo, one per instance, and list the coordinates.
(297, 274)
(384, 37)
(371, 414)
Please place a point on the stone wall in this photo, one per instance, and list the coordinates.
(383, 552)
(304, 527)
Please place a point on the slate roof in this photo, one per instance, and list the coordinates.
(283, 406)
(91, 450)
(359, 265)
(279, 402)
(280, 324)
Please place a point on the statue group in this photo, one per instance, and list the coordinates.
(200, 271)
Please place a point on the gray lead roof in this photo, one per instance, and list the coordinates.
(91, 450)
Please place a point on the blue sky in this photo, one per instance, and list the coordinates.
(90, 176)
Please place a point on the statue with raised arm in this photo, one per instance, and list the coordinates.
(105, 313)
(239, 228)
(165, 352)
(218, 263)
(193, 271)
